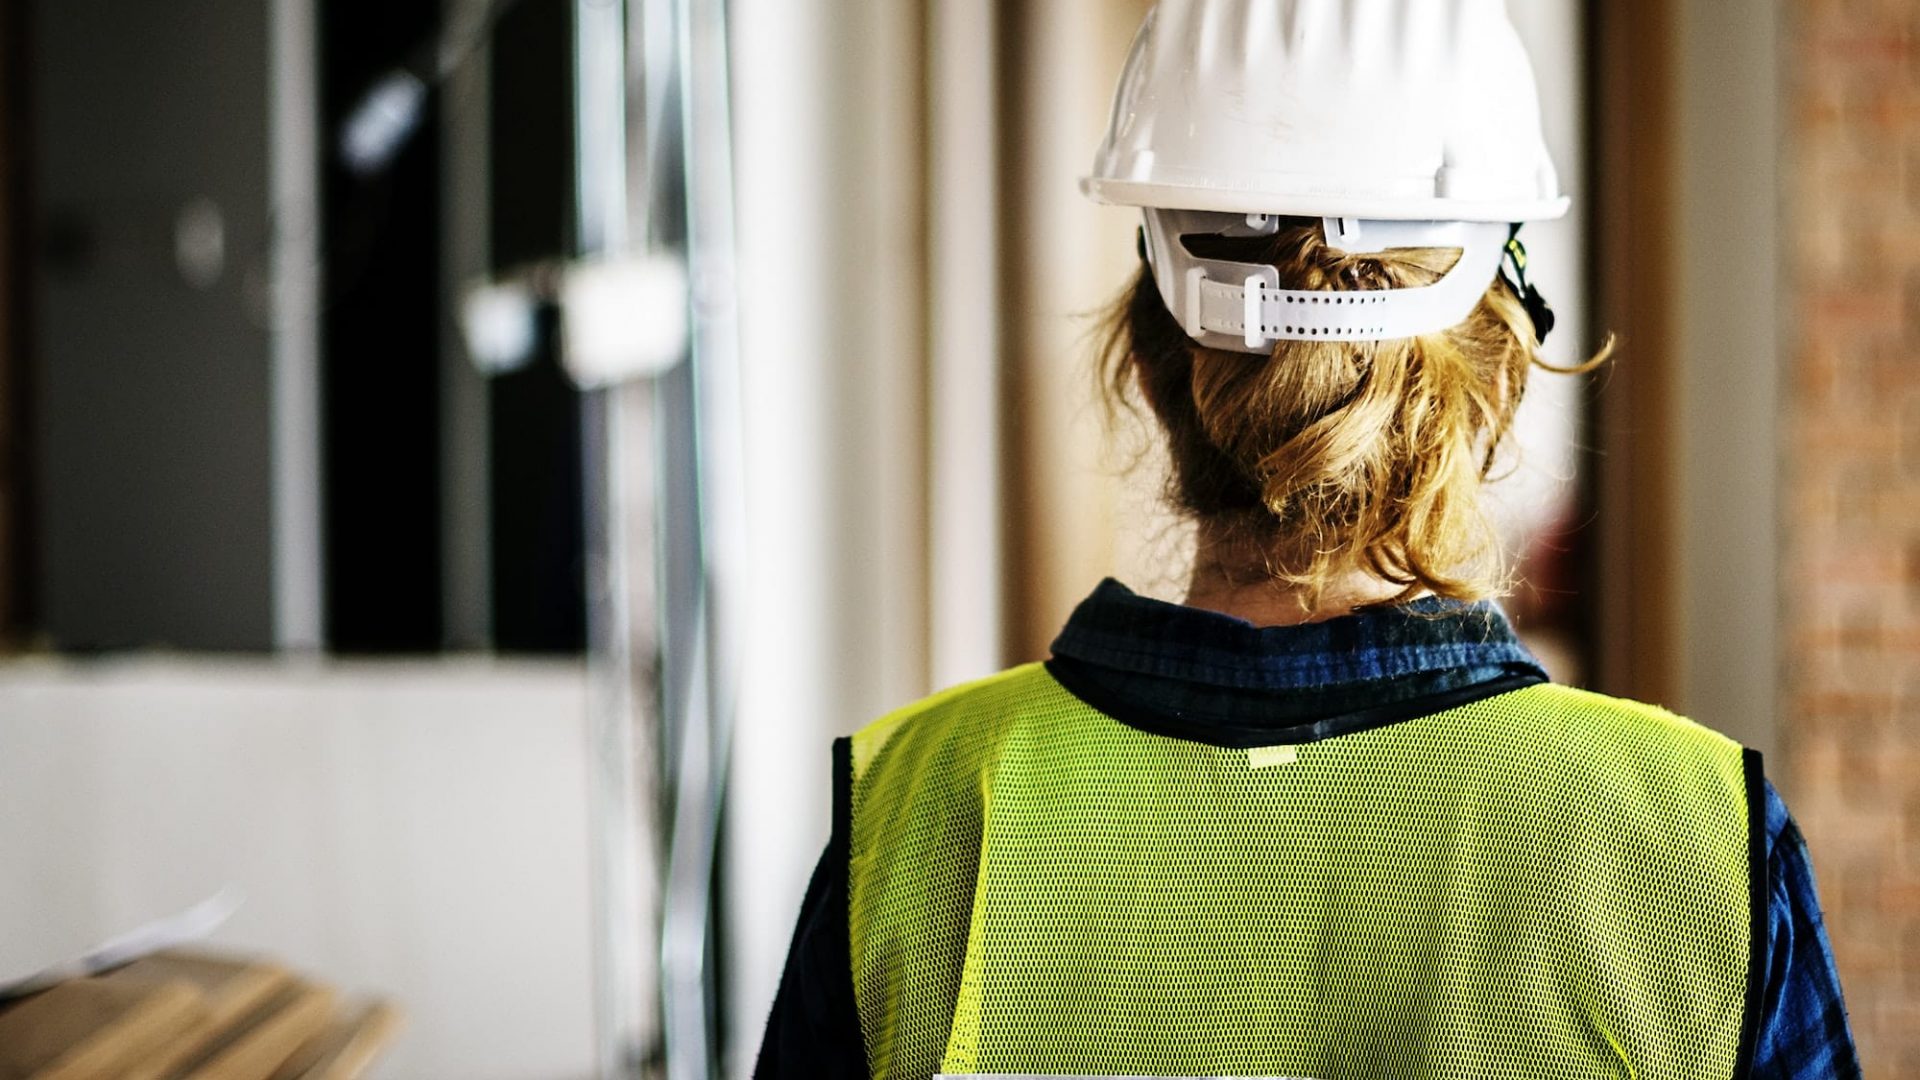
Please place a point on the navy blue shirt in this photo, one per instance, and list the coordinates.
(1198, 674)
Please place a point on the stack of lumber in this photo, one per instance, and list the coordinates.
(180, 1015)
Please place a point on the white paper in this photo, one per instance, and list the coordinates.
(190, 925)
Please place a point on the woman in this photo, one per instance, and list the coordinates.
(1327, 818)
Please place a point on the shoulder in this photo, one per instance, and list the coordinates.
(1585, 717)
(1623, 754)
(961, 715)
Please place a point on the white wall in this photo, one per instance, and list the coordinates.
(1540, 494)
(416, 831)
(1729, 319)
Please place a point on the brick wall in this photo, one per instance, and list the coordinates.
(1852, 532)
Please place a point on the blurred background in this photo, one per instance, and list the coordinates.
(461, 462)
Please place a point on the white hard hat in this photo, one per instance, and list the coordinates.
(1370, 114)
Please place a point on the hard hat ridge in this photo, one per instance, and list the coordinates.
(1412, 121)
(1416, 110)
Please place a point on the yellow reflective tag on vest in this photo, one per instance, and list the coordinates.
(1544, 885)
(1267, 757)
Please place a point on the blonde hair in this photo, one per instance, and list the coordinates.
(1331, 457)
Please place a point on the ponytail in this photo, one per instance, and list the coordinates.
(1331, 457)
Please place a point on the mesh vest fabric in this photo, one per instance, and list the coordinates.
(1543, 884)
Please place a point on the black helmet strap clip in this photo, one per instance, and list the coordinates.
(1537, 307)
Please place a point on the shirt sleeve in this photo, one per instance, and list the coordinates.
(1803, 1031)
(814, 1030)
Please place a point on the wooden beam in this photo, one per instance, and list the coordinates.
(1635, 277)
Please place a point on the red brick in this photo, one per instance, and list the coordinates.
(1851, 502)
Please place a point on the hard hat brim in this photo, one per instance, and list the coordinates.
(1136, 193)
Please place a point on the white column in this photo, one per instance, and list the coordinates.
(964, 385)
(293, 165)
(828, 138)
(1729, 320)
(466, 258)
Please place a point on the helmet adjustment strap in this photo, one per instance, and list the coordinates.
(1537, 307)
(1241, 307)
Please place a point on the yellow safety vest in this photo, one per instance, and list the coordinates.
(1543, 884)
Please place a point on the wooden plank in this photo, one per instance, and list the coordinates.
(89, 1028)
(234, 989)
(266, 1038)
(349, 1046)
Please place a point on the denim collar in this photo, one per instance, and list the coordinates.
(1136, 657)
